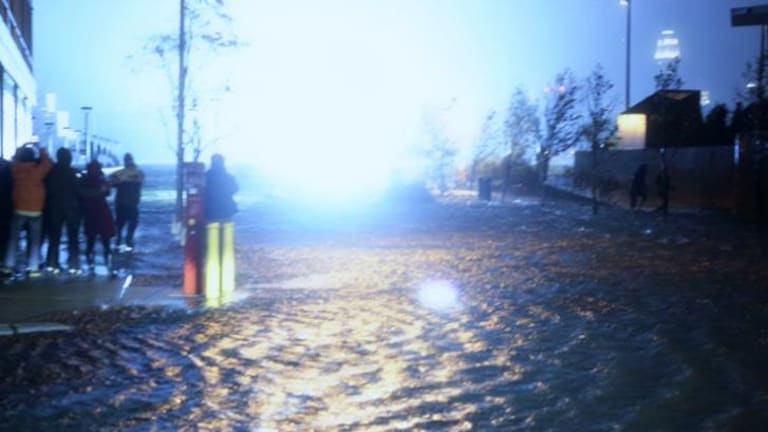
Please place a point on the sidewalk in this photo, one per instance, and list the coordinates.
(27, 299)
(24, 303)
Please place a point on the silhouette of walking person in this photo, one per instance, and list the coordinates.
(663, 188)
(638, 190)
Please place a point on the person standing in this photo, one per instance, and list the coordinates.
(220, 207)
(506, 166)
(28, 176)
(638, 191)
(127, 182)
(220, 188)
(94, 190)
(663, 188)
(62, 207)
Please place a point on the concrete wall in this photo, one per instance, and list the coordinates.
(702, 177)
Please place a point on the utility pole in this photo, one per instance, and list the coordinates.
(180, 114)
(628, 4)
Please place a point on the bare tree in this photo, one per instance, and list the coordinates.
(204, 29)
(440, 150)
(488, 144)
(753, 94)
(522, 127)
(600, 128)
(562, 121)
(668, 78)
(754, 82)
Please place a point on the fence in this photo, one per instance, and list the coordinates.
(702, 177)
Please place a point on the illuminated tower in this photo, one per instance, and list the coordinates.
(667, 56)
(667, 47)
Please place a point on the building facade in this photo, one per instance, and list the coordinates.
(17, 82)
(53, 129)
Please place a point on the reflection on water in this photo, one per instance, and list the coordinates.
(435, 322)
(438, 295)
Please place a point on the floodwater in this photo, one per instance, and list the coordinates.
(453, 316)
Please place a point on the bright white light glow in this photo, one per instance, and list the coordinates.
(331, 106)
(439, 295)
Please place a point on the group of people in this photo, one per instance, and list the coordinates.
(43, 197)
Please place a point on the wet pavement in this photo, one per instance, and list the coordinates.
(22, 302)
(532, 315)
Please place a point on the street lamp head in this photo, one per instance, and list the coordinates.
(624, 2)
(86, 108)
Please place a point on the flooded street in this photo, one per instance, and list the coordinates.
(452, 316)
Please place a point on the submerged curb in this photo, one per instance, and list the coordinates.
(33, 327)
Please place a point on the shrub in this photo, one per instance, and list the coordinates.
(522, 174)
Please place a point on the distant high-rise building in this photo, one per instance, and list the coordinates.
(18, 87)
(667, 46)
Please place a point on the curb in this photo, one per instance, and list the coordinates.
(32, 327)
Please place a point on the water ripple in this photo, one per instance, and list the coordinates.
(563, 330)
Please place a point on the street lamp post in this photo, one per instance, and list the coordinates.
(67, 137)
(628, 5)
(89, 149)
(49, 130)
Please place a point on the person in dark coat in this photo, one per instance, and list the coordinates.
(220, 187)
(6, 205)
(127, 183)
(639, 189)
(663, 188)
(62, 207)
(94, 190)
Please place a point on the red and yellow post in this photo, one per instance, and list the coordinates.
(209, 249)
(194, 218)
(219, 262)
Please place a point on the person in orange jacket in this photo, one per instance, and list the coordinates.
(28, 175)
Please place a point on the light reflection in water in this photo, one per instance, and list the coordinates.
(438, 295)
(336, 337)
(365, 359)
